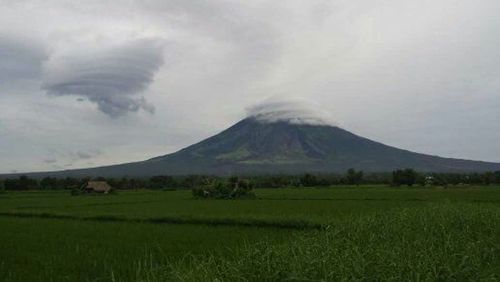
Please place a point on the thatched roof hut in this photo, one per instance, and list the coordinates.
(97, 187)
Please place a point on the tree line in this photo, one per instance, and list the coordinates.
(407, 177)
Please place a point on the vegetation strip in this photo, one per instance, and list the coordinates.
(88, 205)
(341, 199)
(281, 224)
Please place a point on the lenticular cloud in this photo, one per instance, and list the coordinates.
(292, 110)
(113, 78)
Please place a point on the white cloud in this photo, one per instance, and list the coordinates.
(292, 110)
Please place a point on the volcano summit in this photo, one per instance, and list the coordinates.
(284, 138)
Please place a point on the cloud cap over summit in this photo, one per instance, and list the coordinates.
(294, 110)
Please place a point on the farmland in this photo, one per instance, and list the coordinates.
(295, 233)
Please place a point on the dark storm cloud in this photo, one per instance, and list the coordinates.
(20, 59)
(112, 79)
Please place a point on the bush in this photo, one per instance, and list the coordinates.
(76, 192)
(354, 177)
(439, 180)
(404, 177)
(235, 189)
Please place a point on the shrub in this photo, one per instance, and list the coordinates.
(76, 192)
(439, 180)
(308, 180)
(354, 177)
(404, 177)
(235, 189)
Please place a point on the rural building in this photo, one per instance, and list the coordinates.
(97, 187)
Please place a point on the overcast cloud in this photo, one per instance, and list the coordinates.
(21, 59)
(104, 82)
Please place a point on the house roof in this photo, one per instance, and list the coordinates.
(99, 186)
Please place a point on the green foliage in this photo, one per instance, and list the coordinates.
(162, 182)
(37, 249)
(344, 233)
(441, 180)
(439, 243)
(354, 177)
(308, 180)
(76, 192)
(48, 183)
(234, 188)
(21, 183)
(488, 178)
(404, 177)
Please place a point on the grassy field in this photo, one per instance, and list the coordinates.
(360, 233)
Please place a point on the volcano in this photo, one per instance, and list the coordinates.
(254, 146)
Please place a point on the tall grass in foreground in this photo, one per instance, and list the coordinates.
(442, 242)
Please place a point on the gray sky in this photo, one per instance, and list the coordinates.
(87, 83)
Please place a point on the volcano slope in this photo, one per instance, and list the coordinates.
(253, 146)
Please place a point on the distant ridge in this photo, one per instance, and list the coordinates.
(253, 146)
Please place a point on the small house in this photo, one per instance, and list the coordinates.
(97, 187)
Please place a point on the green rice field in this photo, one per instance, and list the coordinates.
(318, 234)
